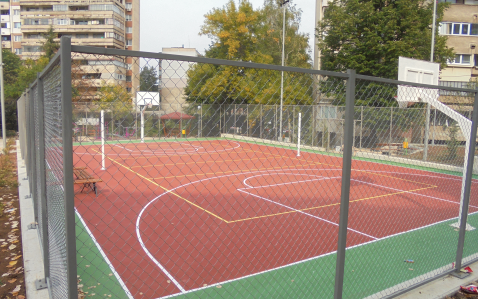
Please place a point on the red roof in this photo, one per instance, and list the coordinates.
(176, 115)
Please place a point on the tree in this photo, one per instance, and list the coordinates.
(241, 33)
(369, 36)
(149, 79)
(114, 97)
(49, 45)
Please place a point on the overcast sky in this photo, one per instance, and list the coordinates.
(166, 23)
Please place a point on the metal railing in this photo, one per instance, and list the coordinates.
(202, 195)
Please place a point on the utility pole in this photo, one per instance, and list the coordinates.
(282, 72)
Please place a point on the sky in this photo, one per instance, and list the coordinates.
(166, 23)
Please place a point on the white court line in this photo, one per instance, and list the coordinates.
(305, 213)
(161, 153)
(265, 186)
(306, 260)
(112, 268)
(448, 176)
(98, 246)
(404, 191)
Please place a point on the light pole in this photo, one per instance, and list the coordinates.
(4, 129)
(427, 122)
(283, 3)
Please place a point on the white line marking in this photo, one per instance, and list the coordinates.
(108, 262)
(404, 191)
(306, 260)
(123, 285)
(305, 213)
(138, 234)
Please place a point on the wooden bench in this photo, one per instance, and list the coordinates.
(83, 177)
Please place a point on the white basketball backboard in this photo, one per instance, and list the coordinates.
(416, 71)
(144, 98)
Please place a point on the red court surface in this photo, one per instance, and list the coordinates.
(175, 216)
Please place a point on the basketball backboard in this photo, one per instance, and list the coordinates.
(144, 98)
(416, 71)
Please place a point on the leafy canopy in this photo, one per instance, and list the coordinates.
(370, 35)
(240, 32)
(149, 79)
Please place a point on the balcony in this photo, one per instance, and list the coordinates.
(6, 31)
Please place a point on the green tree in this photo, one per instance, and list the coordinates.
(49, 45)
(369, 36)
(242, 33)
(149, 79)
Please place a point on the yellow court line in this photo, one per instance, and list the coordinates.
(318, 163)
(326, 206)
(225, 172)
(197, 162)
(169, 191)
(151, 180)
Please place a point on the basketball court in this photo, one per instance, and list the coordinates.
(181, 217)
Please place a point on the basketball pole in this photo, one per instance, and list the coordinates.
(103, 140)
(298, 135)
(142, 124)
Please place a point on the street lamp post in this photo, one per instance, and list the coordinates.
(282, 72)
(4, 129)
(427, 122)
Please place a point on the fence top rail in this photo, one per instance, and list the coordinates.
(119, 52)
(392, 81)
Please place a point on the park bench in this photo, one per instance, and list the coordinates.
(83, 177)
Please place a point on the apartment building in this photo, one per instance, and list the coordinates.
(460, 25)
(100, 23)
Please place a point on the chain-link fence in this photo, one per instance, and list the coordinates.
(203, 178)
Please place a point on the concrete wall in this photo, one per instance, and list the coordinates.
(174, 80)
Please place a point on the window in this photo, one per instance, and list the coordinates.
(128, 78)
(60, 7)
(129, 17)
(462, 59)
(98, 35)
(17, 25)
(106, 7)
(16, 12)
(62, 21)
(458, 28)
(6, 38)
(82, 36)
(18, 51)
(129, 29)
(17, 38)
(4, 12)
(4, 25)
(129, 42)
(329, 112)
(129, 6)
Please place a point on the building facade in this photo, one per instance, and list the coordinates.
(460, 25)
(100, 23)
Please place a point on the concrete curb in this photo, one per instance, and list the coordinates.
(32, 253)
(440, 288)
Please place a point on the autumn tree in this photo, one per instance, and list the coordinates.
(240, 32)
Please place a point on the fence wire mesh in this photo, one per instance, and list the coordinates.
(54, 183)
(205, 179)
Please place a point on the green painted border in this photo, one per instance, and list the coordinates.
(95, 274)
(370, 268)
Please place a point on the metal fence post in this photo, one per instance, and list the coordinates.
(390, 137)
(68, 167)
(361, 125)
(42, 192)
(261, 120)
(427, 133)
(33, 178)
(466, 196)
(345, 191)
